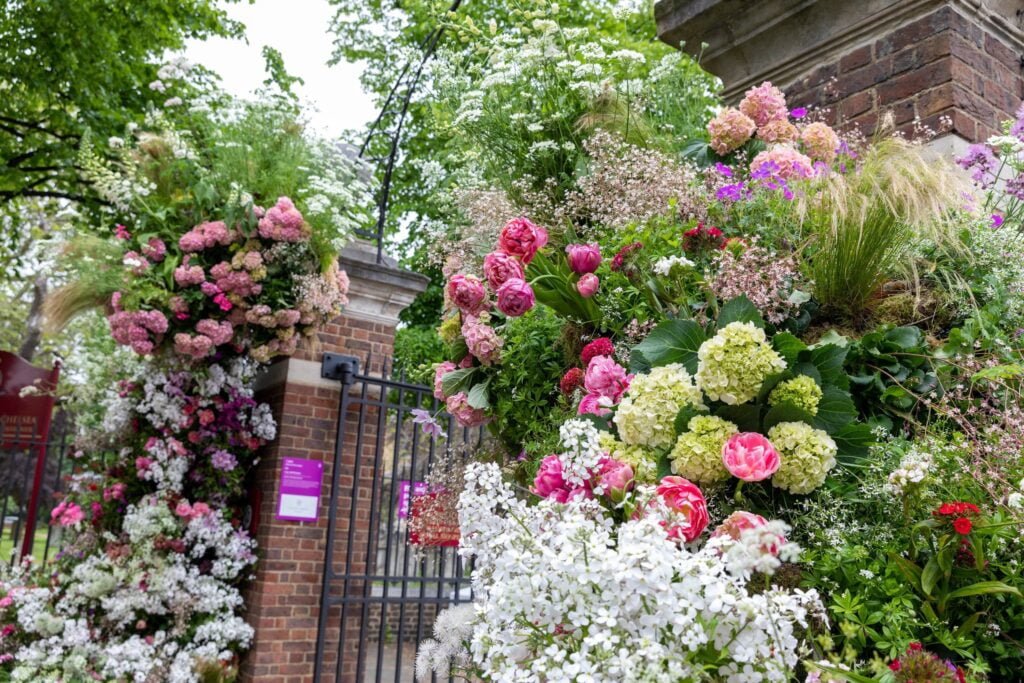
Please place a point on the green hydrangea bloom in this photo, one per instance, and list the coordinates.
(807, 454)
(802, 391)
(734, 363)
(698, 452)
(450, 329)
(645, 467)
(647, 413)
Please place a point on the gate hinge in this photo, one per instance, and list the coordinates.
(339, 367)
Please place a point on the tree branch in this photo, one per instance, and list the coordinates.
(38, 127)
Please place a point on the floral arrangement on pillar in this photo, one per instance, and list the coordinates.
(771, 429)
(203, 282)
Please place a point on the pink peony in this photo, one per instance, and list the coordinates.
(764, 103)
(591, 404)
(729, 130)
(820, 142)
(283, 223)
(522, 239)
(500, 267)
(549, 482)
(67, 514)
(615, 478)
(583, 258)
(481, 340)
(750, 456)
(465, 414)
(468, 294)
(439, 372)
(515, 297)
(587, 286)
(684, 498)
(607, 378)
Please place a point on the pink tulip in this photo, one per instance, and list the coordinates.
(549, 482)
(583, 258)
(500, 267)
(615, 477)
(591, 405)
(684, 498)
(735, 524)
(522, 239)
(467, 293)
(587, 286)
(750, 456)
(515, 297)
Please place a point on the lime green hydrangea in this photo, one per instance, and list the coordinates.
(449, 329)
(647, 413)
(807, 455)
(802, 391)
(698, 452)
(735, 362)
(645, 467)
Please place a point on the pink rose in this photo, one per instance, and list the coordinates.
(500, 267)
(522, 238)
(587, 286)
(183, 509)
(591, 405)
(466, 415)
(583, 258)
(467, 293)
(615, 477)
(439, 372)
(515, 297)
(200, 509)
(684, 498)
(750, 456)
(607, 378)
(735, 524)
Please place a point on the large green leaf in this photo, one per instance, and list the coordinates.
(930, 576)
(907, 337)
(785, 412)
(746, 416)
(835, 410)
(457, 380)
(739, 310)
(854, 441)
(673, 341)
(788, 346)
(828, 360)
(981, 588)
(478, 396)
(683, 417)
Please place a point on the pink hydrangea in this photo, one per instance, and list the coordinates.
(500, 267)
(205, 236)
(764, 103)
(515, 297)
(440, 371)
(468, 294)
(194, 346)
(784, 162)
(820, 142)
(605, 377)
(778, 130)
(283, 223)
(522, 239)
(155, 250)
(187, 276)
(749, 456)
(141, 330)
(466, 415)
(67, 514)
(136, 262)
(481, 340)
(232, 281)
(219, 332)
(287, 317)
(729, 130)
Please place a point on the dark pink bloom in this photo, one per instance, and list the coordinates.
(583, 258)
(500, 267)
(467, 293)
(607, 378)
(615, 478)
(515, 297)
(522, 239)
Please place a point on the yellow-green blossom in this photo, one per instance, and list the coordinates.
(450, 329)
(807, 455)
(802, 391)
(698, 452)
(735, 362)
(647, 413)
(645, 467)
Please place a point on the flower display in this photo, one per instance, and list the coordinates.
(764, 103)
(750, 457)
(606, 378)
(801, 391)
(807, 454)
(646, 414)
(729, 130)
(697, 454)
(735, 362)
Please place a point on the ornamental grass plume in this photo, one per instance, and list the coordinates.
(861, 223)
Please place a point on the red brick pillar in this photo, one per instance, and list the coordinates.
(923, 59)
(283, 601)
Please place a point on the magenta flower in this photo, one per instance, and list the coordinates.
(685, 499)
(67, 514)
(615, 478)
(997, 221)
(121, 232)
(550, 483)
(749, 456)
(523, 239)
(467, 293)
(607, 378)
(591, 404)
(500, 267)
(588, 285)
(735, 524)
(583, 258)
(515, 297)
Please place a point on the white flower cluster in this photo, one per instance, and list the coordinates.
(760, 549)
(581, 441)
(564, 595)
(912, 470)
(666, 264)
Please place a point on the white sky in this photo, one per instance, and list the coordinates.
(298, 29)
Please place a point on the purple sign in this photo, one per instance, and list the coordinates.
(406, 490)
(300, 489)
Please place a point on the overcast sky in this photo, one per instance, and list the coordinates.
(298, 29)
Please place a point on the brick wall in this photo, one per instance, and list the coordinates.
(940, 65)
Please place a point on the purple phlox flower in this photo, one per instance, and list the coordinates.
(845, 150)
(798, 113)
(428, 423)
(997, 221)
(1015, 187)
(723, 169)
(733, 193)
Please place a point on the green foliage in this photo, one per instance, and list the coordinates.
(417, 350)
(891, 370)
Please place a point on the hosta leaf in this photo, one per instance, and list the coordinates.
(673, 341)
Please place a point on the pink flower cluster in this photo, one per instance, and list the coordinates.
(283, 223)
(730, 130)
(231, 281)
(141, 330)
(186, 511)
(466, 415)
(67, 514)
(611, 478)
(764, 103)
(481, 339)
(784, 162)
(605, 381)
(206, 236)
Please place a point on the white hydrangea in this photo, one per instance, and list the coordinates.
(735, 362)
(647, 414)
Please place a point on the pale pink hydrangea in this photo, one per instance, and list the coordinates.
(466, 415)
(219, 332)
(778, 130)
(287, 317)
(205, 236)
(481, 340)
(786, 162)
(194, 346)
(283, 223)
(234, 281)
(187, 276)
(764, 103)
(729, 130)
(440, 371)
(141, 330)
(155, 250)
(820, 142)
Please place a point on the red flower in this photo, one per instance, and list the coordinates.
(915, 647)
(962, 526)
(620, 258)
(602, 346)
(703, 237)
(895, 665)
(958, 508)
(571, 380)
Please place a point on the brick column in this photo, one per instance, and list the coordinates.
(924, 59)
(283, 601)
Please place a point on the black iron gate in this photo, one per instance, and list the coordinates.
(380, 594)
